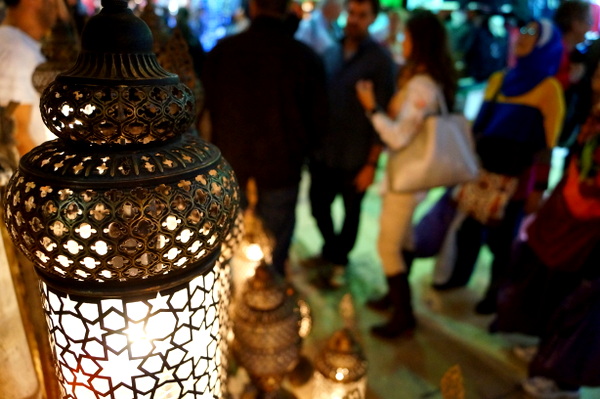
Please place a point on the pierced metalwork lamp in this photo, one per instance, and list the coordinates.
(124, 217)
(341, 368)
(60, 47)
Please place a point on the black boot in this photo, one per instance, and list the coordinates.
(385, 302)
(467, 246)
(403, 320)
(382, 304)
(488, 305)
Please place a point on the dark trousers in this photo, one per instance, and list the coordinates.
(326, 184)
(277, 210)
(499, 238)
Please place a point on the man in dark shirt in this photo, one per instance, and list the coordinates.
(265, 93)
(345, 161)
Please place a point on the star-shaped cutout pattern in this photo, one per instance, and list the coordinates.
(120, 368)
(159, 303)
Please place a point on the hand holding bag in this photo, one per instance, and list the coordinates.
(441, 154)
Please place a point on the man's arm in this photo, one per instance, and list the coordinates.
(366, 175)
(384, 87)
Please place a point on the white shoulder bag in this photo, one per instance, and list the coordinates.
(442, 153)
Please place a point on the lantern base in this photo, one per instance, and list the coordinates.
(302, 373)
(251, 392)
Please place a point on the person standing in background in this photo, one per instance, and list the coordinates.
(427, 79)
(321, 30)
(521, 115)
(345, 160)
(266, 99)
(574, 19)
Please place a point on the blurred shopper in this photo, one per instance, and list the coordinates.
(293, 17)
(26, 22)
(485, 47)
(574, 19)
(515, 130)
(321, 30)
(345, 160)
(195, 48)
(265, 94)
(78, 14)
(553, 290)
(395, 34)
(428, 75)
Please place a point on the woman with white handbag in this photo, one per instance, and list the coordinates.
(427, 84)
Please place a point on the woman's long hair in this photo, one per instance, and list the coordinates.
(430, 53)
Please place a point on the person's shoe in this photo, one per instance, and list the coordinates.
(337, 279)
(545, 388)
(525, 353)
(402, 321)
(315, 262)
(449, 285)
(392, 329)
(486, 306)
(382, 304)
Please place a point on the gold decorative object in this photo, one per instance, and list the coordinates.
(452, 384)
(266, 328)
(256, 245)
(341, 368)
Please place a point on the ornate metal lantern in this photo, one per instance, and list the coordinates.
(172, 52)
(341, 369)
(256, 243)
(266, 327)
(60, 48)
(124, 217)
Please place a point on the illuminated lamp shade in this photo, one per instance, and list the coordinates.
(124, 217)
(229, 246)
(341, 368)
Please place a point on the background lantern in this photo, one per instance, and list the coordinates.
(60, 47)
(341, 368)
(173, 52)
(256, 243)
(124, 217)
(266, 325)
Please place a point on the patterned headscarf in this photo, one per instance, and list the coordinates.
(543, 61)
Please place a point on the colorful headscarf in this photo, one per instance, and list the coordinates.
(542, 62)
